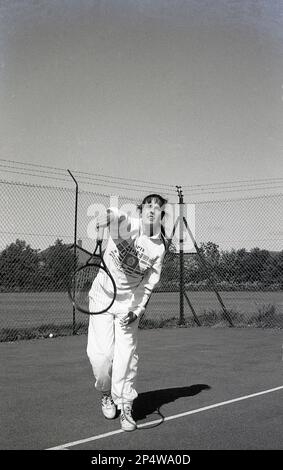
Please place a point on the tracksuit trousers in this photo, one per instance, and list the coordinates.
(112, 351)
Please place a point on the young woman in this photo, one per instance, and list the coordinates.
(134, 255)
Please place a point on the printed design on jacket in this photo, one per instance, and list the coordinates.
(130, 259)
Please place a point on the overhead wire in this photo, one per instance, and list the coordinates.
(114, 179)
(222, 191)
(258, 181)
(96, 183)
(31, 174)
(136, 185)
(187, 187)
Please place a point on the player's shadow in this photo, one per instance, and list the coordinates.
(148, 403)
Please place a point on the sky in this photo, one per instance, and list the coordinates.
(177, 92)
(180, 92)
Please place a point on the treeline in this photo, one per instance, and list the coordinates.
(23, 268)
(239, 269)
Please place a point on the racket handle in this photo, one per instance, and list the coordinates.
(100, 231)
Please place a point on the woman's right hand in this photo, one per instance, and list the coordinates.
(102, 221)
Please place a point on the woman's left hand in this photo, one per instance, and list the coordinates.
(127, 319)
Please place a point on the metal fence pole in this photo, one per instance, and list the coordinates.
(75, 242)
(181, 259)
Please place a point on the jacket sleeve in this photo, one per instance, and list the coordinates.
(143, 291)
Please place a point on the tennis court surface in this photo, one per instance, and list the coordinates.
(199, 388)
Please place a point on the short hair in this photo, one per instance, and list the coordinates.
(161, 201)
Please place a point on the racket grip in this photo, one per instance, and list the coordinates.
(100, 231)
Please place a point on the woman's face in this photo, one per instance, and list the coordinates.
(151, 214)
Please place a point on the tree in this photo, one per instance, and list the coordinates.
(191, 267)
(255, 263)
(19, 267)
(57, 266)
(208, 260)
(272, 271)
(233, 265)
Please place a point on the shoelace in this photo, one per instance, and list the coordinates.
(127, 414)
(107, 401)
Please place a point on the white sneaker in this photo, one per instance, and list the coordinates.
(127, 421)
(108, 406)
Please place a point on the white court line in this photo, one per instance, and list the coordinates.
(168, 418)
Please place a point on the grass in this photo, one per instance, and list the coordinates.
(265, 317)
(42, 331)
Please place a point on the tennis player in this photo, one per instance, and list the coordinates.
(134, 255)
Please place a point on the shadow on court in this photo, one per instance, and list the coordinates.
(148, 403)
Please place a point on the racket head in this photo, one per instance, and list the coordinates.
(92, 289)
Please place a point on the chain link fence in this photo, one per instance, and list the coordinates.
(233, 276)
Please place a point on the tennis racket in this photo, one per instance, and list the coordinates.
(92, 289)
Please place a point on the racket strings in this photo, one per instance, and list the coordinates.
(93, 289)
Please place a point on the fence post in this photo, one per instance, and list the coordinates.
(181, 259)
(75, 242)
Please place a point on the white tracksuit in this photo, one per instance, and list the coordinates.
(135, 264)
